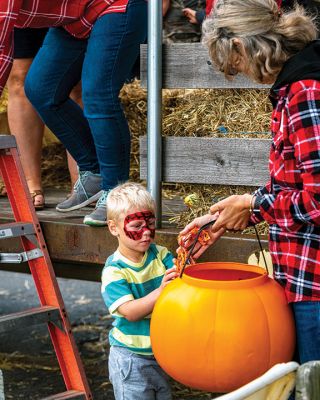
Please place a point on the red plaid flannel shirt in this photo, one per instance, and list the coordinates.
(291, 200)
(76, 16)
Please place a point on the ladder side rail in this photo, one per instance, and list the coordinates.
(42, 272)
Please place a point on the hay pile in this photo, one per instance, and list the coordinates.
(199, 113)
(196, 112)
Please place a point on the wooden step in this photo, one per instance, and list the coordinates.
(79, 252)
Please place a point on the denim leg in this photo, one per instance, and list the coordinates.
(307, 319)
(136, 377)
(112, 50)
(55, 70)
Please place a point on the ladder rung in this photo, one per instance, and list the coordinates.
(33, 316)
(70, 394)
(7, 141)
(18, 258)
(16, 229)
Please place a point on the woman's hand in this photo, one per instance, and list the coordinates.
(234, 213)
(198, 223)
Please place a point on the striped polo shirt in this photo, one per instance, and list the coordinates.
(124, 280)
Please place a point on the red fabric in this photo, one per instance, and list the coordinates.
(291, 200)
(76, 16)
(209, 6)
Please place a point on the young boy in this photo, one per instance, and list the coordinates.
(132, 280)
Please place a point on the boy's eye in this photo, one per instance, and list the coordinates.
(135, 225)
(138, 226)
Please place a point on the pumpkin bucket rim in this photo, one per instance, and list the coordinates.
(260, 277)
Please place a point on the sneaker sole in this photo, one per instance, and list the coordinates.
(81, 205)
(92, 222)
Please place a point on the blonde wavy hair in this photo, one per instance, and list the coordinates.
(268, 36)
(128, 196)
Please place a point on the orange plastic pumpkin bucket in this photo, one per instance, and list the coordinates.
(221, 325)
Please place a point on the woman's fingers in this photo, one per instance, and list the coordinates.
(199, 250)
(197, 223)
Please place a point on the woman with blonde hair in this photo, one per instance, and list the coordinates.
(255, 38)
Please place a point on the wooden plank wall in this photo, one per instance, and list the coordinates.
(79, 252)
(221, 161)
(187, 65)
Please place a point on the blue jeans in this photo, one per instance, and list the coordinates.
(307, 319)
(137, 377)
(99, 137)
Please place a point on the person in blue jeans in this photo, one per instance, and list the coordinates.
(98, 138)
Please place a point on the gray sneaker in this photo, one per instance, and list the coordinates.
(86, 190)
(98, 217)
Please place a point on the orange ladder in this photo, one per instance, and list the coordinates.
(52, 310)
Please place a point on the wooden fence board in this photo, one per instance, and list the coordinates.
(85, 258)
(222, 161)
(187, 65)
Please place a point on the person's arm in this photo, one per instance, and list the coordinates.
(292, 208)
(135, 310)
(190, 14)
(9, 11)
(165, 6)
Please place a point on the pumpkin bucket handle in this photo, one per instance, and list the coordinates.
(203, 227)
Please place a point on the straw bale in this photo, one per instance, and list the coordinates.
(199, 113)
(4, 101)
(188, 112)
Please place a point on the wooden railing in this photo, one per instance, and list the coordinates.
(208, 160)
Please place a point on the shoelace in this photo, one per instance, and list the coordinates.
(79, 183)
(102, 199)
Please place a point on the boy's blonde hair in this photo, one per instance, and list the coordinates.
(128, 196)
(268, 35)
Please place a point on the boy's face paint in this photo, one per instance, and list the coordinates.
(137, 223)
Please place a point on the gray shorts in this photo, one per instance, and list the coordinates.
(137, 377)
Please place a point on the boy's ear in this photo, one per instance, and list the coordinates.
(113, 227)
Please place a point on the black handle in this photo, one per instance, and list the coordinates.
(203, 227)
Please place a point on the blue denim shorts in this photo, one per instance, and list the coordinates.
(137, 377)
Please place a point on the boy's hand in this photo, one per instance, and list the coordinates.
(170, 274)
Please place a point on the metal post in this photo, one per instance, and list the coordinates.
(1, 387)
(155, 103)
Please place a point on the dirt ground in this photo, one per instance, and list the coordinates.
(27, 358)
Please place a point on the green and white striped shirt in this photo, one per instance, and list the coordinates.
(124, 280)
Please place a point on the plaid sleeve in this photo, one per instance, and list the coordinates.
(256, 218)
(115, 289)
(292, 207)
(9, 10)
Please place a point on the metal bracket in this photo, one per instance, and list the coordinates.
(18, 258)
